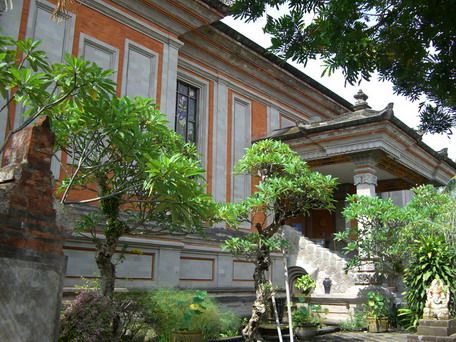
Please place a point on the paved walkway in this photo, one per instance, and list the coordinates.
(362, 336)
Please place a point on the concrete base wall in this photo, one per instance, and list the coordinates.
(29, 300)
(188, 263)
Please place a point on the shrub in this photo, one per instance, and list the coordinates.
(92, 317)
(88, 319)
(356, 322)
(378, 305)
(308, 315)
(170, 310)
(431, 258)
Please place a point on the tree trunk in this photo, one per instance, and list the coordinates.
(107, 269)
(263, 293)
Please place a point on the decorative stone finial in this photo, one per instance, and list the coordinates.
(360, 101)
(443, 152)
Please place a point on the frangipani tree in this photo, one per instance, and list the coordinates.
(287, 188)
(416, 242)
(31, 85)
(142, 175)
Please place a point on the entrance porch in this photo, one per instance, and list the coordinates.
(371, 153)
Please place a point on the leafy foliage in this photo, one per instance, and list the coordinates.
(309, 314)
(190, 310)
(287, 188)
(88, 318)
(377, 235)
(39, 87)
(378, 305)
(356, 322)
(305, 283)
(247, 245)
(417, 241)
(431, 258)
(125, 146)
(410, 43)
(385, 233)
(122, 153)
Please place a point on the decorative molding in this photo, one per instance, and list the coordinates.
(68, 30)
(178, 17)
(210, 261)
(364, 159)
(219, 157)
(235, 277)
(267, 100)
(365, 178)
(86, 41)
(131, 21)
(247, 126)
(153, 67)
(89, 249)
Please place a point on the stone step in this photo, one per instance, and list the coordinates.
(320, 262)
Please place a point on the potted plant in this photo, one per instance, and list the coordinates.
(184, 331)
(377, 312)
(305, 284)
(306, 321)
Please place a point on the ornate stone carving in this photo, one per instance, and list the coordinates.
(361, 101)
(438, 297)
(365, 178)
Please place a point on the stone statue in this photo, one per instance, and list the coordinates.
(438, 297)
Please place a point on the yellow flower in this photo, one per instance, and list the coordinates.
(194, 307)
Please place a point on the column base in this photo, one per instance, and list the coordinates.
(435, 330)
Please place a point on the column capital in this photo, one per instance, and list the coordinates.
(365, 178)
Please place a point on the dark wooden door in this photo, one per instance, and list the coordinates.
(320, 224)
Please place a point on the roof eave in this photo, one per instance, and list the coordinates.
(363, 121)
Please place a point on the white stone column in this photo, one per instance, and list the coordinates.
(365, 181)
(365, 178)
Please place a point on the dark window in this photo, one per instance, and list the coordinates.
(186, 111)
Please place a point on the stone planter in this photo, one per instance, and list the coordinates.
(267, 330)
(306, 332)
(187, 336)
(228, 339)
(377, 325)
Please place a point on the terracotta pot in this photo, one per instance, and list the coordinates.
(187, 336)
(377, 325)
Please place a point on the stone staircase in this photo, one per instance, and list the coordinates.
(319, 263)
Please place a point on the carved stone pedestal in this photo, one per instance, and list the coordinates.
(435, 331)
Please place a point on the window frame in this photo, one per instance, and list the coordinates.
(196, 118)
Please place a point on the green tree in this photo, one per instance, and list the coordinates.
(142, 175)
(287, 189)
(410, 43)
(386, 233)
(37, 88)
(416, 242)
(146, 177)
(377, 235)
